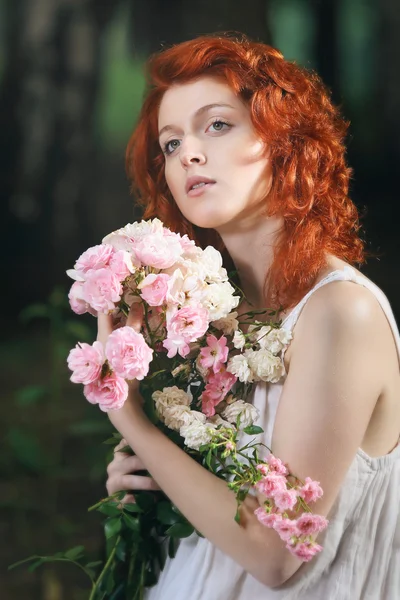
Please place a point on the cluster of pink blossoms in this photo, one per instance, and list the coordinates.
(219, 381)
(297, 533)
(104, 371)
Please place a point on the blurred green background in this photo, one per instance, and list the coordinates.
(71, 84)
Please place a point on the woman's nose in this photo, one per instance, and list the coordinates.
(191, 153)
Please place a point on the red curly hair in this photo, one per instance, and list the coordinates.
(292, 112)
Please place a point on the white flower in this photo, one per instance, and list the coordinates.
(211, 262)
(219, 300)
(239, 366)
(248, 413)
(273, 339)
(227, 325)
(184, 289)
(176, 415)
(265, 366)
(170, 396)
(239, 339)
(196, 434)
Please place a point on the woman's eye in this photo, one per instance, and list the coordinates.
(219, 125)
(171, 146)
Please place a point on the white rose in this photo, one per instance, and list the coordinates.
(239, 366)
(248, 413)
(196, 434)
(239, 339)
(211, 262)
(265, 366)
(219, 300)
(273, 340)
(175, 416)
(227, 325)
(168, 397)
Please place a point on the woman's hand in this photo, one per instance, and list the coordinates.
(121, 474)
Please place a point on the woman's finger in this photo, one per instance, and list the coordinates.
(138, 482)
(104, 327)
(135, 317)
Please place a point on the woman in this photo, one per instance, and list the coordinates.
(239, 148)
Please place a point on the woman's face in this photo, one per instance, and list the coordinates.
(216, 167)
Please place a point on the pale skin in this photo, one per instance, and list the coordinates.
(343, 383)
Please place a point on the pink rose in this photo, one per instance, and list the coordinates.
(276, 465)
(86, 362)
(285, 499)
(96, 257)
(263, 468)
(176, 345)
(286, 528)
(109, 393)
(154, 288)
(121, 264)
(128, 353)
(308, 523)
(310, 491)
(189, 323)
(305, 550)
(77, 300)
(215, 354)
(217, 387)
(271, 485)
(102, 289)
(157, 251)
(267, 519)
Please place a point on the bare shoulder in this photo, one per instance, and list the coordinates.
(343, 302)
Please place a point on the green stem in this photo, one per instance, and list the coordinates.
(103, 572)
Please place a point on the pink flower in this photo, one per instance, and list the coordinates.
(154, 288)
(102, 289)
(215, 354)
(286, 529)
(96, 257)
(271, 485)
(285, 499)
(308, 523)
(109, 393)
(77, 300)
(263, 468)
(229, 447)
(310, 491)
(86, 362)
(276, 465)
(267, 519)
(128, 353)
(189, 323)
(219, 384)
(160, 252)
(121, 264)
(305, 550)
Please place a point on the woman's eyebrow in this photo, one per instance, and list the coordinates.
(199, 112)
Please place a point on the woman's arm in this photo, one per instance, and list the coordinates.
(328, 398)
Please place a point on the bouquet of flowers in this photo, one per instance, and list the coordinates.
(197, 360)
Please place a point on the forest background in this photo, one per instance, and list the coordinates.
(71, 85)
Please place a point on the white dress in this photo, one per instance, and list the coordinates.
(361, 546)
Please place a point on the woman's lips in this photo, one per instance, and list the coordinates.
(198, 191)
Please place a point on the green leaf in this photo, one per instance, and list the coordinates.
(23, 561)
(253, 430)
(120, 550)
(112, 526)
(133, 508)
(30, 394)
(35, 565)
(180, 530)
(166, 514)
(131, 522)
(109, 509)
(172, 547)
(75, 552)
(94, 564)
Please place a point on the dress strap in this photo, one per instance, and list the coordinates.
(347, 274)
